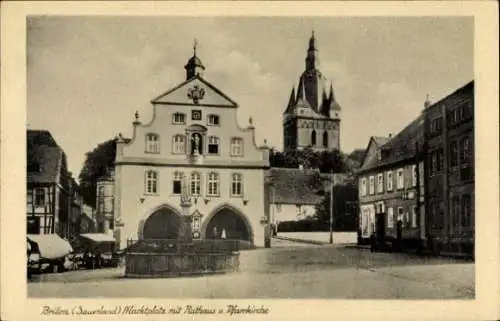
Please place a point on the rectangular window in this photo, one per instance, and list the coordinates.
(465, 150)
(372, 185)
(236, 146)
(363, 187)
(195, 184)
(453, 154)
(467, 211)
(213, 184)
(177, 183)
(400, 179)
(455, 211)
(179, 119)
(236, 185)
(389, 181)
(39, 197)
(278, 208)
(213, 120)
(152, 143)
(179, 144)
(434, 163)
(400, 214)
(466, 173)
(213, 145)
(380, 183)
(414, 175)
(440, 160)
(151, 182)
(390, 217)
(414, 217)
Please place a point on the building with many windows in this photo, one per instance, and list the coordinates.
(192, 142)
(391, 183)
(312, 116)
(450, 172)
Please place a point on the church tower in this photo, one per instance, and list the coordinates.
(312, 116)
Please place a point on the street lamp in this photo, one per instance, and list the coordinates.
(331, 207)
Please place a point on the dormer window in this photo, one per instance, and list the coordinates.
(179, 119)
(152, 143)
(213, 120)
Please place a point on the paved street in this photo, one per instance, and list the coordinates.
(290, 270)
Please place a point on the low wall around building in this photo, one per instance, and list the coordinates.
(338, 237)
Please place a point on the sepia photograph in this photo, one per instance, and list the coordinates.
(255, 157)
(261, 155)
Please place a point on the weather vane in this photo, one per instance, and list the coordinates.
(194, 46)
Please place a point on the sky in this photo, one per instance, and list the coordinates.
(88, 75)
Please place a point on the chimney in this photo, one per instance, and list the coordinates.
(427, 102)
(390, 135)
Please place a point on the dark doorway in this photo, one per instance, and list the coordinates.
(380, 228)
(163, 224)
(229, 225)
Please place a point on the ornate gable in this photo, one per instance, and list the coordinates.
(195, 92)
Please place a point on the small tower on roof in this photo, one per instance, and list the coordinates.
(194, 65)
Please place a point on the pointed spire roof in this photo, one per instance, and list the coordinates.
(312, 41)
(301, 95)
(332, 101)
(291, 101)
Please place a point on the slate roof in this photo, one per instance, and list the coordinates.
(40, 137)
(370, 160)
(294, 186)
(44, 157)
(380, 140)
(403, 145)
(399, 147)
(43, 164)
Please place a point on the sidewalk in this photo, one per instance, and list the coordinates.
(299, 240)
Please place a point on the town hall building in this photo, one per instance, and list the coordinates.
(193, 141)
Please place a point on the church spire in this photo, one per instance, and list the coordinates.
(194, 65)
(312, 61)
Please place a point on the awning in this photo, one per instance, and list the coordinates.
(99, 237)
(51, 246)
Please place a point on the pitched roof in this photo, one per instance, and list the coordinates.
(379, 140)
(400, 147)
(370, 156)
(403, 146)
(43, 164)
(295, 186)
(40, 137)
(213, 95)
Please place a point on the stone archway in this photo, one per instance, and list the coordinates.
(234, 223)
(163, 223)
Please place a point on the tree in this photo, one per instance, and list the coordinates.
(326, 161)
(98, 163)
(344, 211)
